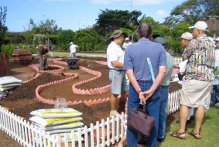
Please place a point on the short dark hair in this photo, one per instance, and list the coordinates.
(144, 30)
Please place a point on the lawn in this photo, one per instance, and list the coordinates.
(66, 54)
(58, 54)
(209, 132)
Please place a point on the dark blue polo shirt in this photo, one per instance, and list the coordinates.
(136, 56)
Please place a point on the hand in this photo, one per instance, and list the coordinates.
(147, 94)
(142, 98)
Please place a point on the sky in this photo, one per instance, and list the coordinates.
(77, 14)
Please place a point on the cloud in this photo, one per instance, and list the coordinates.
(161, 13)
(134, 2)
(58, 0)
(146, 2)
(106, 2)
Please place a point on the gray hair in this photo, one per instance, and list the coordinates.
(144, 30)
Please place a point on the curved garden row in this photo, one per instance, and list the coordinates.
(98, 90)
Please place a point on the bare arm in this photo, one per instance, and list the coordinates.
(117, 64)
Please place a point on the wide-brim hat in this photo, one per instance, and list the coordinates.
(160, 40)
(116, 34)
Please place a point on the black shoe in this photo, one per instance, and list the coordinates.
(188, 121)
(192, 118)
(160, 139)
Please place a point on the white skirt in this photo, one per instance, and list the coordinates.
(196, 93)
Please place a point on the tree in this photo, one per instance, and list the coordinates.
(38, 39)
(158, 28)
(88, 40)
(47, 27)
(193, 11)
(3, 27)
(110, 20)
(64, 38)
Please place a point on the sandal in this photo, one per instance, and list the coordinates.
(195, 135)
(177, 134)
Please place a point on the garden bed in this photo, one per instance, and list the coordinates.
(22, 100)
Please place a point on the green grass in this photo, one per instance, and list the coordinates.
(58, 54)
(209, 132)
(81, 54)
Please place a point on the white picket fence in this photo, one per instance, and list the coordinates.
(112, 129)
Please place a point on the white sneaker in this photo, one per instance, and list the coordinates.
(217, 104)
(113, 113)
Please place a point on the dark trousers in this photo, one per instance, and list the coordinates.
(216, 94)
(153, 109)
(164, 91)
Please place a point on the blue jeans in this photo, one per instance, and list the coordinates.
(153, 109)
(164, 90)
(216, 94)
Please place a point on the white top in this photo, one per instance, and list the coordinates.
(114, 53)
(217, 57)
(73, 48)
(216, 79)
(125, 44)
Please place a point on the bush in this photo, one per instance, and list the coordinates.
(64, 38)
(8, 49)
(89, 40)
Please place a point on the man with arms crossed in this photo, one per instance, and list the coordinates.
(115, 59)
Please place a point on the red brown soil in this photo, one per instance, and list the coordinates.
(22, 99)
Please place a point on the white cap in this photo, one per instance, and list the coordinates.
(201, 25)
(217, 39)
(71, 43)
(187, 36)
(126, 38)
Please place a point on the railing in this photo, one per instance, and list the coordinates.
(104, 133)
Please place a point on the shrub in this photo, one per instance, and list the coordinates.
(64, 38)
(89, 40)
(8, 49)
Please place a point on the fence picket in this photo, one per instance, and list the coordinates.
(85, 136)
(108, 131)
(113, 130)
(97, 133)
(103, 132)
(92, 135)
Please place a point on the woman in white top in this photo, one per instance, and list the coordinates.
(216, 80)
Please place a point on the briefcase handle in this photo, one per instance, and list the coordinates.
(142, 108)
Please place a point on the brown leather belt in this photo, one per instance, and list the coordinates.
(145, 81)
